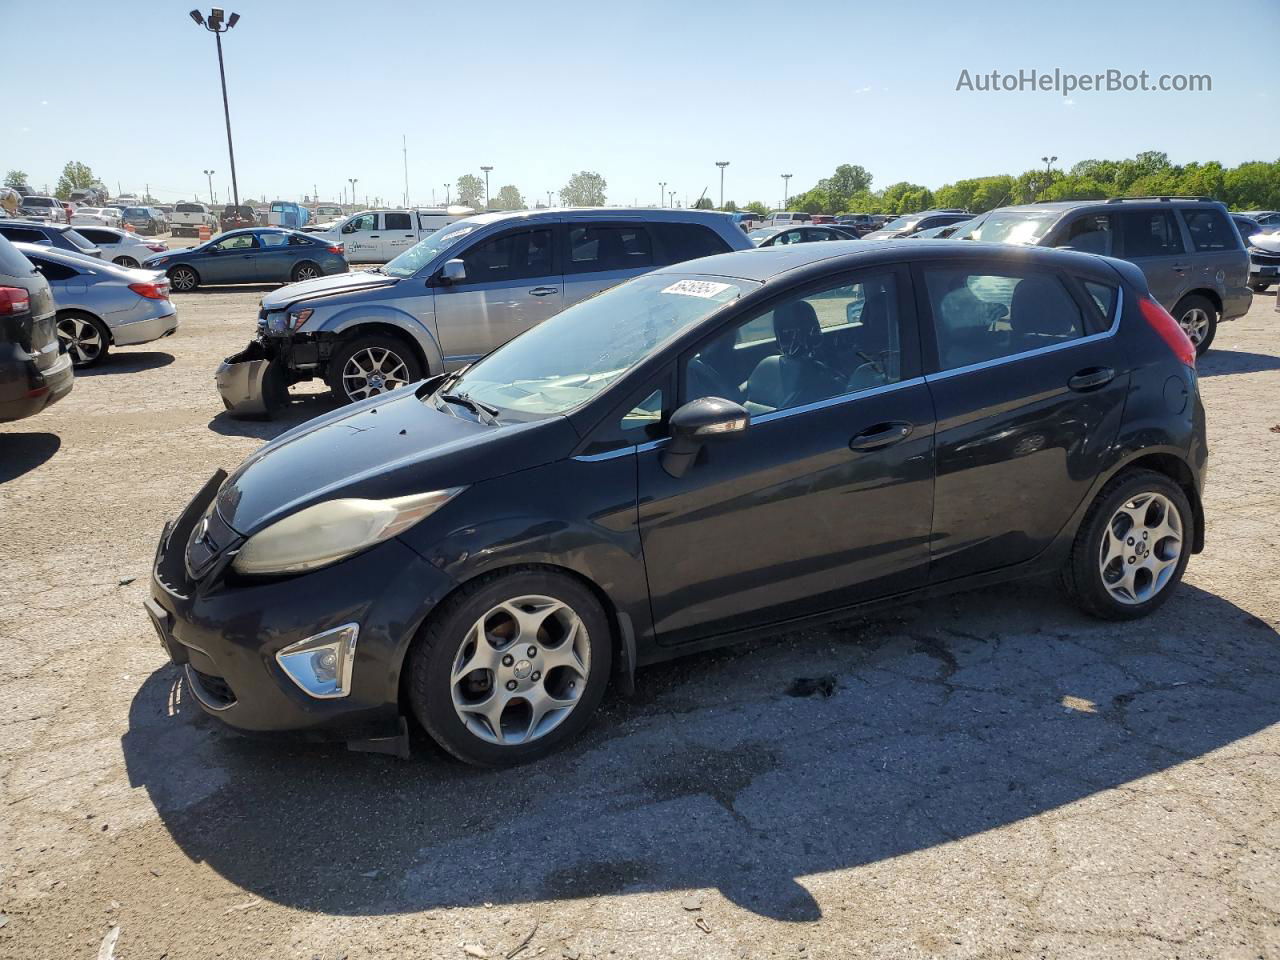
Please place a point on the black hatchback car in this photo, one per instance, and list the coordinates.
(726, 445)
(34, 371)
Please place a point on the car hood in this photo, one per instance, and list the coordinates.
(881, 235)
(388, 446)
(326, 286)
(1265, 241)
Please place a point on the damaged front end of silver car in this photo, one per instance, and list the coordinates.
(252, 382)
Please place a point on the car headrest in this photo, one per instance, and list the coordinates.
(796, 328)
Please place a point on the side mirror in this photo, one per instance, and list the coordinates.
(453, 271)
(698, 422)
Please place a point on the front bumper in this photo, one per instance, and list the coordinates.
(226, 635)
(162, 324)
(251, 382)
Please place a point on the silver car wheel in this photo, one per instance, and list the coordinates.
(306, 272)
(183, 279)
(81, 339)
(1195, 323)
(520, 670)
(126, 262)
(373, 371)
(1141, 548)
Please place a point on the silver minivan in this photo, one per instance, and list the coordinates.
(462, 291)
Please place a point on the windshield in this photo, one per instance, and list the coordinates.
(427, 249)
(567, 360)
(903, 223)
(137, 212)
(1008, 226)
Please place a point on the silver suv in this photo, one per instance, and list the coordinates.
(462, 291)
(1188, 248)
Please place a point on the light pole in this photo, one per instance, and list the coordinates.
(209, 174)
(548, 198)
(353, 181)
(662, 193)
(722, 164)
(215, 25)
(446, 194)
(486, 186)
(1047, 162)
(786, 183)
(672, 195)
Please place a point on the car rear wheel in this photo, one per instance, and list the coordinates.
(1198, 318)
(371, 365)
(306, 270)
(511, 667)
(183, 279)
(1132, 548)
(85, 337)
(126, 262)
(1259, 286)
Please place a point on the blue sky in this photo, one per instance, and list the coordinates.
(322, 91)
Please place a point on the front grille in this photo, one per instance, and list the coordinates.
(1269, 259)
(215, 691)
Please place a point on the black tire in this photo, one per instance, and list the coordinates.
(1082, 577)
(1259, 286)
(1193, 302)
(126, 262)
(308, 268)
(438, 644)
(85, 337)
(183, 279)
(349, 390)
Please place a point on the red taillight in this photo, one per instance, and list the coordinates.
(336, 248)
(156, 247)
(1162, 322)
(14, 300)
(152, 291)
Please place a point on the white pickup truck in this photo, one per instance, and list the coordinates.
(377, 236)
(188, 218)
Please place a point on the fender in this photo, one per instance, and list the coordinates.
(361, 314)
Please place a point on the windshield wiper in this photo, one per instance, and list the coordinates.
(484, 413)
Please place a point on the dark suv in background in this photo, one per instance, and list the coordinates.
(56, 235)
(34, 372)
(1188, 248)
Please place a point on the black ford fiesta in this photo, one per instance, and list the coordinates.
(722, 446)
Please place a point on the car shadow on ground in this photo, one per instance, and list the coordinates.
(298, 410)
(117, 362)
(205, 291)
(944, 720)
(22, 452)
(1216, 363)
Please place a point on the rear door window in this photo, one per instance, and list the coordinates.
(1150, 233)
(397, 221)
(510, 256)
(677, 242)
(979, 317)
(1210, 231)
(596, 248)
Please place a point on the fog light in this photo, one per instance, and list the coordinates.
(321, 665)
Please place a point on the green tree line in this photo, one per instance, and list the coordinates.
(1254, 185)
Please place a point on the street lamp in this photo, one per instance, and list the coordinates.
(672, 195)
(486, 186)
(446, 194)
(209, 174)
(353, 181)
(722, 164)
(215, 25)
(1047, 161)
(662, 192)
(786, 183)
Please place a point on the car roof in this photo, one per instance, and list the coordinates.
(764, 264)
(67, 257)
(651, 214)
(37, 224)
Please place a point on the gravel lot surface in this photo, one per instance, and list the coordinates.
(993, 775)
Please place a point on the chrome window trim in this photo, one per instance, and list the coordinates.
(621, 451)
(834, 401)
(1000, 361)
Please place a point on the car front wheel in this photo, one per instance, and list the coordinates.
(371, 365)
(183, 279)
(511, 667)
(1132, 547)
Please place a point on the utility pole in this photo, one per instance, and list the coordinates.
(722, 164)
(786, 184)
(486, 186)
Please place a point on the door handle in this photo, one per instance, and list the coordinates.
(881, 435)
(543, 291)
(374, 236)
(1091, 379)
(1181, 267)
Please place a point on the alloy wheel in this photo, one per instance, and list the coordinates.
(1141, 548)
(306, 272)
(373, 371)
(127, 262)
(183, 279)
(520, 670)
(81, 339)
(1195, 323)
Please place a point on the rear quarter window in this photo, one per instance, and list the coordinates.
(23, 235)
(1210, 231)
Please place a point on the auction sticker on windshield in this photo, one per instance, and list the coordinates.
(706, 289)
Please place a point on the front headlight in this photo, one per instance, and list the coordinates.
(330, 531)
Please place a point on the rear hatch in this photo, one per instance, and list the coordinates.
(34, 330)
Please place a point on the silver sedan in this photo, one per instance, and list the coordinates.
(100, 305)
